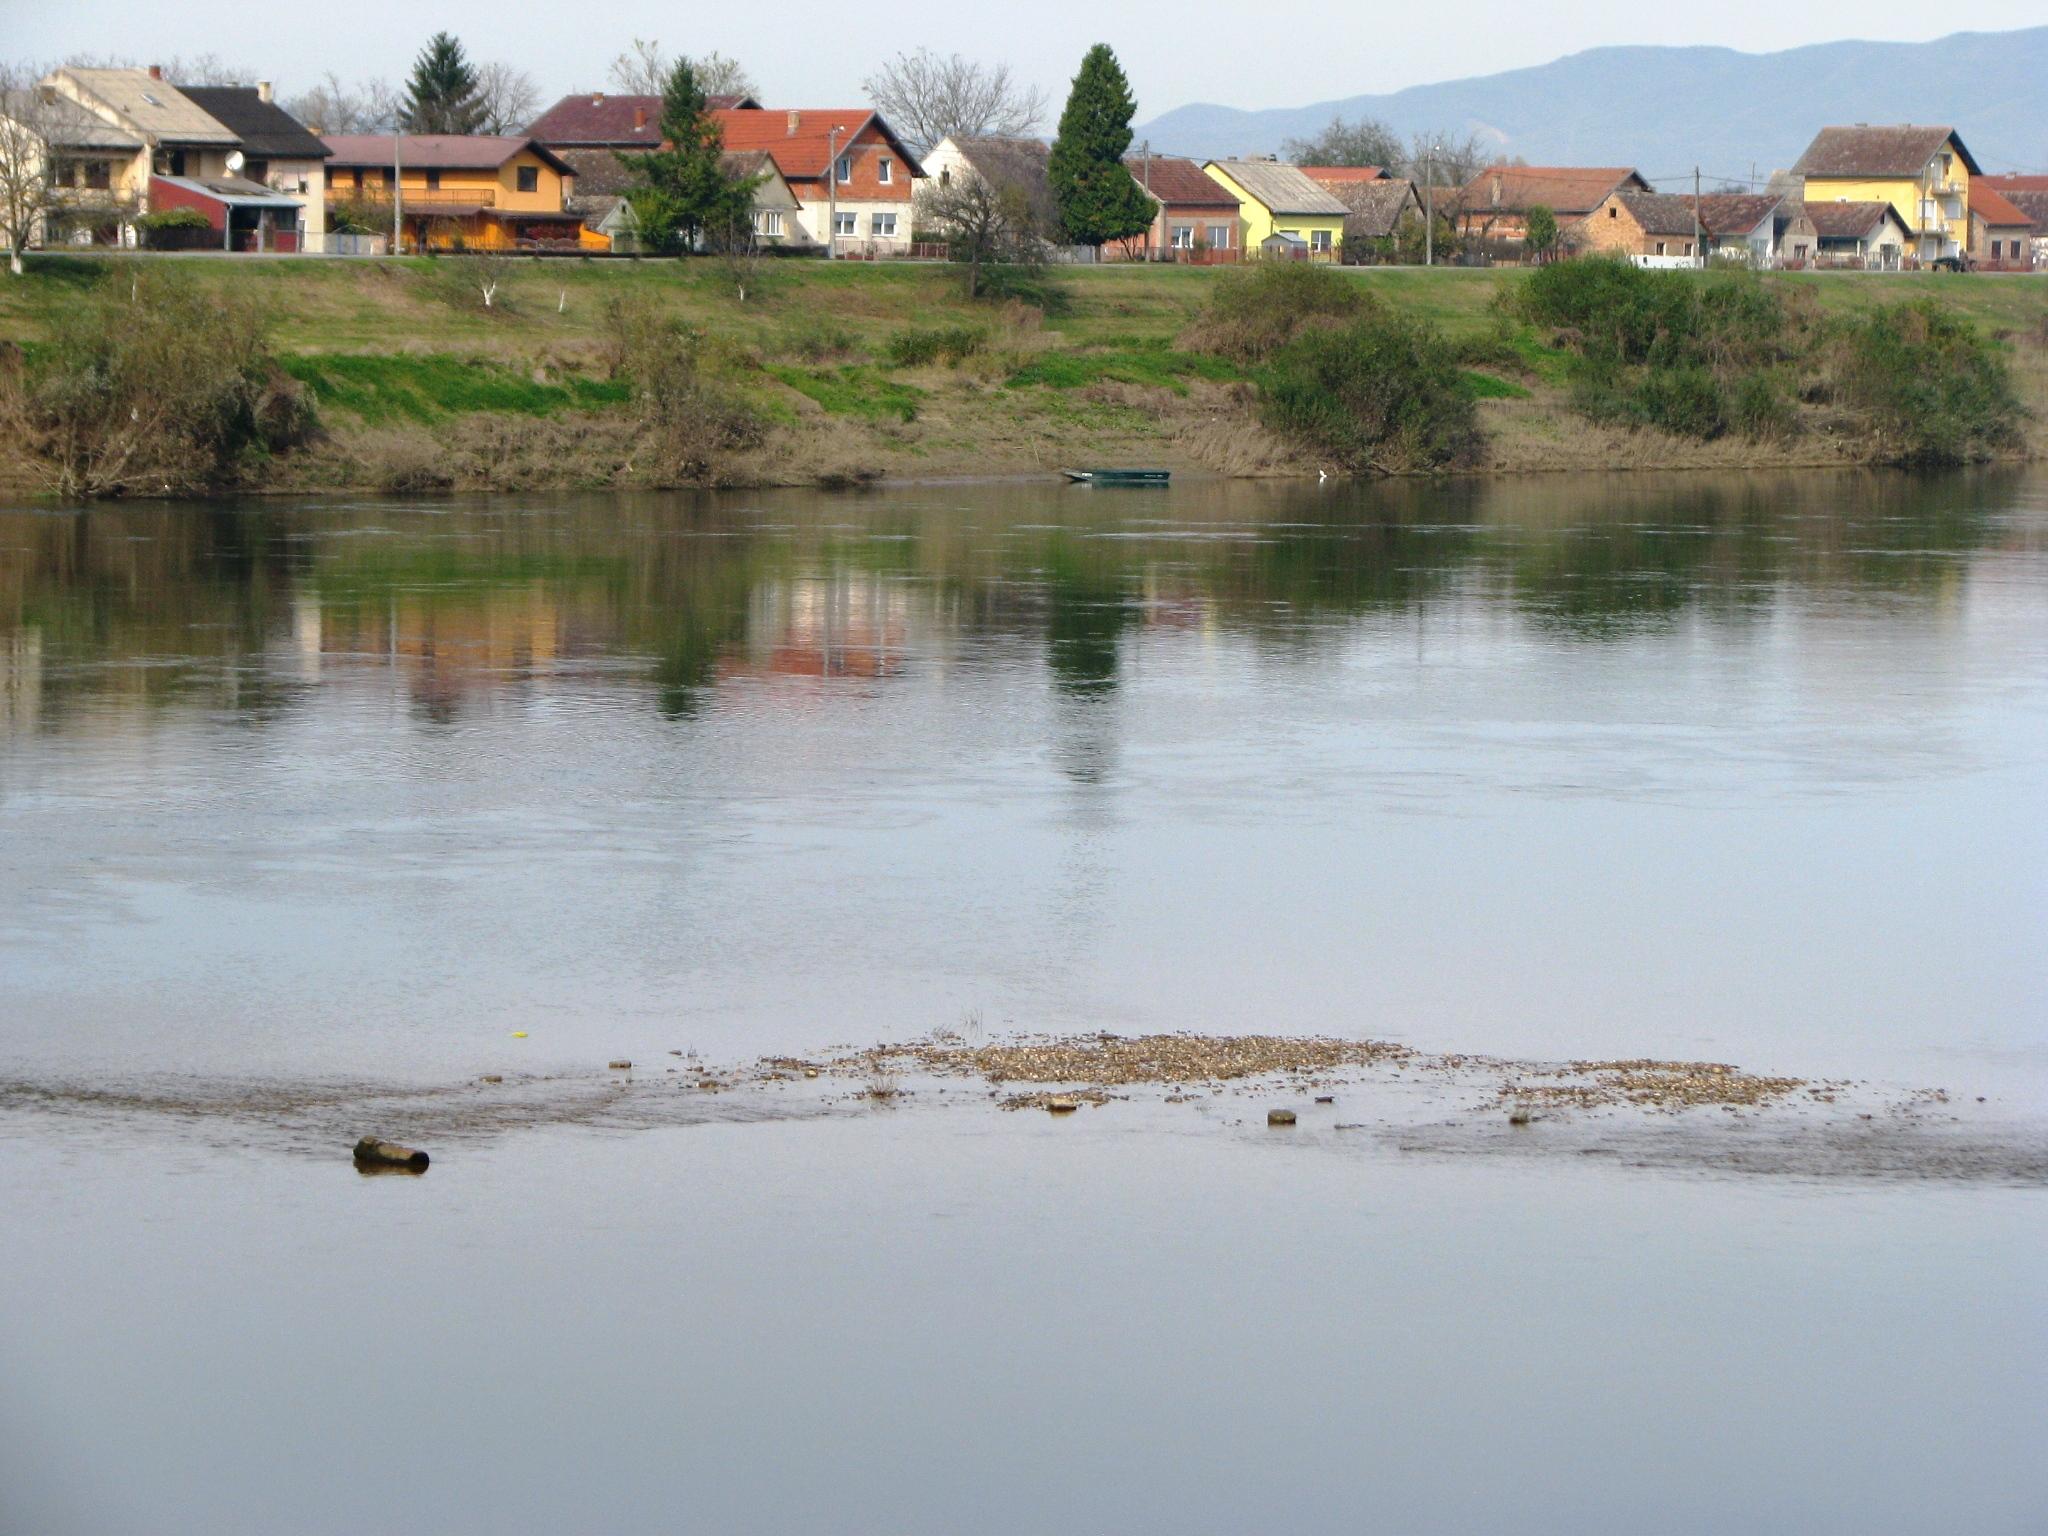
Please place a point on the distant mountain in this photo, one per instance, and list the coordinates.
(1665, 110)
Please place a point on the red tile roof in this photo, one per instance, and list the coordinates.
(1991, 206)
(1566, 190)
(1848, 221)
(1178, 183)
(436, 151)
(2012, 181)
(592, 119)
(1890, 151)
(801, 139)
(1733, 213)
(1332, 175)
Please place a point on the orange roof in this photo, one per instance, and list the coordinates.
(802, 140)
(1564, 189)
(1992, 206)
(1332, 175)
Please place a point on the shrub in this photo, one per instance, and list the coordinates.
(816, 339)
(1383, 393)
(150, 384)
(689, 421)
(1258, 309)
(915, 347)
(173, 218)
(1928, 383)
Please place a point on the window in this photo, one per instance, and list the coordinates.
(390, 177)
(1183, 237)
(884, 172)
(882, 225)
(844, 169)
(356, 176)
(1319, 240)
(1613, 212)
(1219, 237)
(1660, 247)
(846, 224)
(529, 178)
(256, 170)
(99, 175)
(945, 175)
(433, 181)
(768, 223)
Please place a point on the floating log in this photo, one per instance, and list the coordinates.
(389, 1154)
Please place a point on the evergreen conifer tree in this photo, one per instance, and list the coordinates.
(441, 96)
(1097, 199)
(684, 191)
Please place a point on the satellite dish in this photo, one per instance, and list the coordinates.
(235, 162)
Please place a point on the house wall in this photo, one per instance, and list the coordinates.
(1935, 206)
(1256, 223)
(1612, 230)
(864, 195)
(2015, 248)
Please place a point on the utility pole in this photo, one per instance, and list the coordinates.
(1699, 254)
(1429, 217)
(831, 193)
(398, 190)
(1145, 162)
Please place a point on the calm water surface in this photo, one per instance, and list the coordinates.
(1748, 769)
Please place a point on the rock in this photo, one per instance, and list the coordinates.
(1326, 1098)
(1279, 1117)
(373, 1153)
(810, 1071)
(1061, 1106)
(492, 1077)
(622, 1065)
(1519, 1116)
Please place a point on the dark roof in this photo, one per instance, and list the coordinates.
(599, 173)
(1901, 149)
(1847, 221)
(593, 119)
(1988, 204)
(1376, 206)
(1563, 189)
(2034, 204)
(1657, 213)
(1179, 183)
(266, 130)
(1733, 213)
(438, 151)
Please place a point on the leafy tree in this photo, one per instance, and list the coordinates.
(1097, 199)
(442, 95)
(1542, 234)
(1365, 142)
(684, 189)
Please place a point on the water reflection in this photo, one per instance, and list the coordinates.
(129, 612)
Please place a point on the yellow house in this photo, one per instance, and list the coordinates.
(1923, 172)
(455, 191)
(1281, 210)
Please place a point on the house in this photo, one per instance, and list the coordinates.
(2001, 234)
(1649, 228)
(1197, 217)
(1741, 226)
(230, 152)
(603, 177)
(1923, 172)
(1379, 205)
(850, 173)
(97, 176)
(454, 191)
(1492, 209)
(1278, 199)
(595, 120)
(1014, 165)
(278, 151)
(1869, 234)
(2029, 194)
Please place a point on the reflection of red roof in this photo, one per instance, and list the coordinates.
(1179, 183)
(802, 140)
(1332, 175)
(1991, 206)
(593, 118)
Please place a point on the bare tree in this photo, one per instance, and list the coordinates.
(508, 97)
(739, 252)
(987, 223)
(27, 167)
(1451, 158)
(1365, 142)
(643, 70)
(369, 106)
(928, 97)
(200, 69)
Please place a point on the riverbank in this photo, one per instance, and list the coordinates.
(862, 372)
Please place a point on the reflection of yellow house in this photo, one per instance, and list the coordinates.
(1924, 173)
(454, 191)
(1281, 210)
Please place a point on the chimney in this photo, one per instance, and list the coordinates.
(639, 119)
(794, 119)
(156, 71)
(597, 98)
(263, 90)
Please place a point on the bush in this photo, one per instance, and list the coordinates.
(689, 422)
(816, 339)
(1258, 309)
(1928, 383)
(174, 218)
(1383, 393)
(151, 385)
(916, 348)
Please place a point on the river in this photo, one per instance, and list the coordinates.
(302, 804)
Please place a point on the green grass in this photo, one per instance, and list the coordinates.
(855, 390)
(1484, 386)
(1137, 361)
(429, 387)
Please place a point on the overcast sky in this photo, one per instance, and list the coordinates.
(1275, 54)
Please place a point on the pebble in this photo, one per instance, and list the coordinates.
(621, 1065)
(1061, 1106)
(492, 1077)
(1279, 1117)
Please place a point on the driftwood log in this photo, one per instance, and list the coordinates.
(389, 1154)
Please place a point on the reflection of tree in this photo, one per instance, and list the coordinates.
(1087, 609)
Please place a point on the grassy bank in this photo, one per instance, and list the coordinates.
(861, 370)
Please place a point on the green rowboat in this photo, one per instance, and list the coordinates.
(1118, 476)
